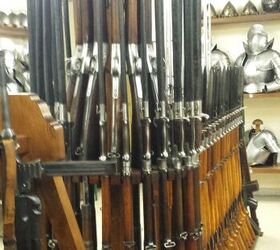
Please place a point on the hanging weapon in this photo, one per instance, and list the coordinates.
(193, 97)
(134, 73)
(127, 193)
(79, 95)
(149, 235)
(161, 123)
(178, 144)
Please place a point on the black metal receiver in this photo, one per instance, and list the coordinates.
(178, 144)
(162, 122)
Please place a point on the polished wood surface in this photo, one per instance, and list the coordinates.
(8, 197)
(265, 170)
(13, 32)
(31, 118)
(246, 19)
(41, 137)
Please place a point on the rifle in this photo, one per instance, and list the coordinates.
(87, 149)
(138, 69)
(135, 66)
(99, 11)
(178, 150)
(129, 242)
(161, 123)
(193, 97)
(79, 95)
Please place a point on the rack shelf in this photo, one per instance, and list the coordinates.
(246, 19)
(266, 170)
(6, 31)
(263, 95)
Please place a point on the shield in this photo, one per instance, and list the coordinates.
(249, 9)
(229, 10)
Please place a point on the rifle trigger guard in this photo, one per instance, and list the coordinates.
(150, 246)
(197, 233)
(183, 235)
(169, 244)
(129, 244)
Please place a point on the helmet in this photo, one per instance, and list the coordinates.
(213, 11)
(229, 10)
(257, 39)
(249, 9)
(270, 5)
(4, 19)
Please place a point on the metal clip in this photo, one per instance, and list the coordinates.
(129, 244)
(169, 244)
(52, 243)
(150, 246)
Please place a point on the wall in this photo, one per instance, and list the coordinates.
(13, 5)
(229, 38)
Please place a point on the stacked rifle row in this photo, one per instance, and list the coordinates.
(136, 93)
(223, 212)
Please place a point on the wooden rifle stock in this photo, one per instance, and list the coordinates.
(8, 178)
(106, 212)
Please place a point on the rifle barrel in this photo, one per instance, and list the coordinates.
(66, 25)
(31, 43)
(47, 47)
(39, 50)
(177, 49)
(160, 49)
(59, 41)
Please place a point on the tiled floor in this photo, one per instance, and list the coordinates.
(269, 217)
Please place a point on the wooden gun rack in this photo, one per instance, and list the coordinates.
(41, 137)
